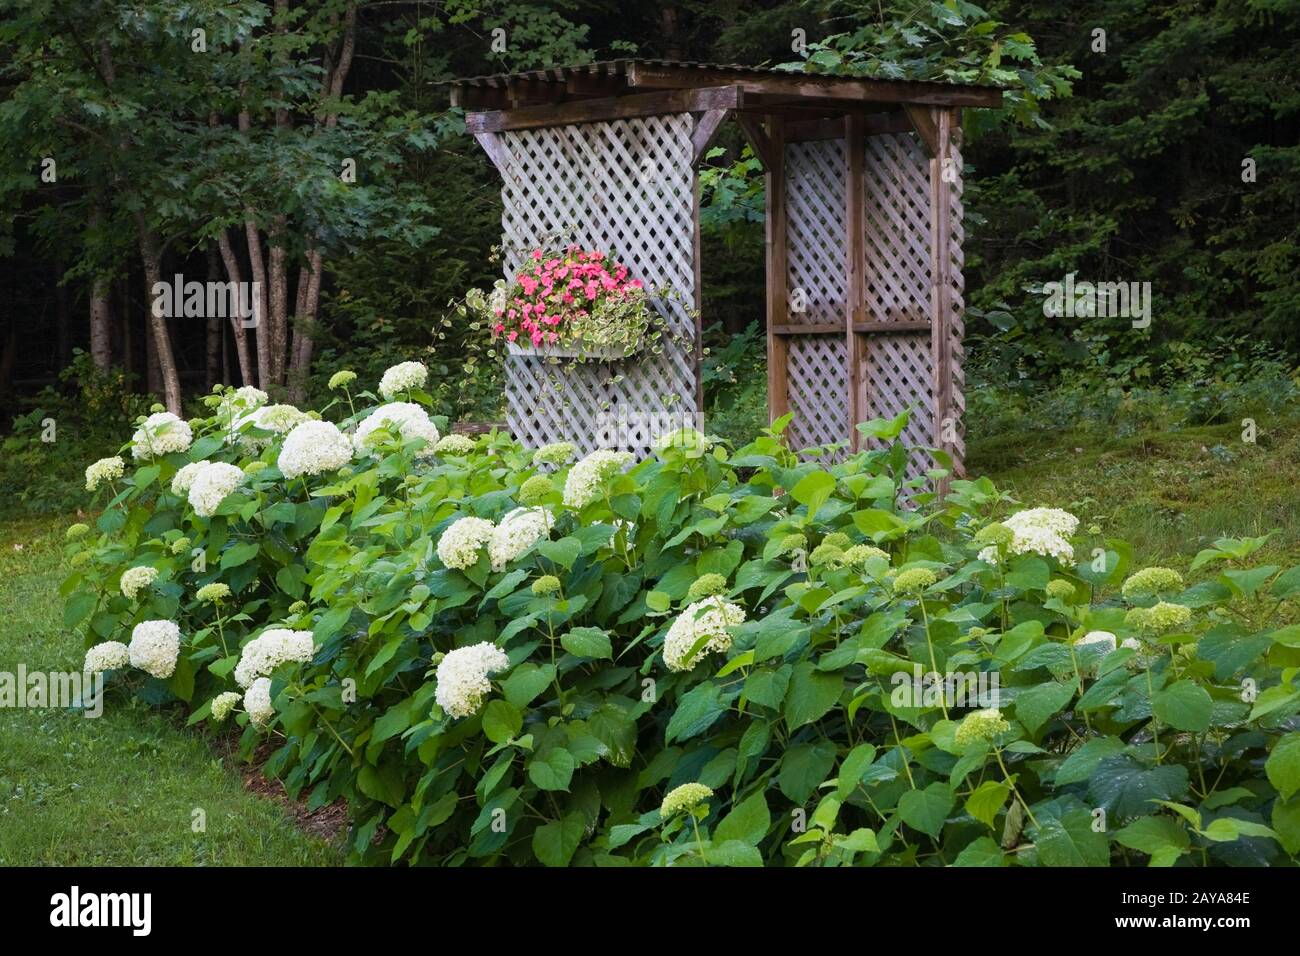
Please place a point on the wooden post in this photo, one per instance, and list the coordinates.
(855, 287)
(697, 303)
(778, 298)
(941, 282)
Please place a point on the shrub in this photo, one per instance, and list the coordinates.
(483, 679)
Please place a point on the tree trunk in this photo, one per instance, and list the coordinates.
(151, 256)
(101, 314)
(212, 367)
(247, 373)
(278, 335)
(309, 277)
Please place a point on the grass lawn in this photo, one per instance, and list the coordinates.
(1169, 493)
(120, 789)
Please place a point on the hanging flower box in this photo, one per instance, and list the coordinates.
(600, 353)
(574, 304)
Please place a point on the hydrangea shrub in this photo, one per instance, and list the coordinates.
(707, 657)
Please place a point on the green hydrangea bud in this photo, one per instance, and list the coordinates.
(80, 558)
(706, 585)
(793, 542)
(76, 532)
(995, 534)
(297, 607)
(980, 726)
(341, 379)
(547, 584)
(1060, 589)
(1158, 617)
(535, 490)
(684, 799)
(253, 467)
(1151, 582)
(213, 593)
(826, 554)
(556, 453)
(914, 580)
(861, 553)
(838, 539)
(180, 546)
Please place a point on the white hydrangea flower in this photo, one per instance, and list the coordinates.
(585, 479)
(708, 618)
(1042, 531)
(411, 420)
(460, 544)
(273, 647)
(185, 477)
(1105, 638)
(106, 469)
(223, 704)
(211, 486)
(246, 397)
(161, 434)
(154, 647)
(134, 580)
(989, 555)
(257, 701)
(277, 419)
(691, 441)
(312, 448)
(403, 377)
(107, 656)
(518, 531)
(462, 677)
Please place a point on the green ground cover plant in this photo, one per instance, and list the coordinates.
(710, 655)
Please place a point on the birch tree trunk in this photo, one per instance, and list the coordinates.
(151, 256)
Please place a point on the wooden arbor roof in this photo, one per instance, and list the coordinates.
(864, 286)
(622, 89)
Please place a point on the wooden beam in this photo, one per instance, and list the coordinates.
(756, 137)
(923, 123)
(533, 93)
(480, 97)
(891, 328)
(585, 84)
(810, 328)
(706, 129)
(850, 89)
(606, 108)
(861, 328)
(855, 146)
(778, 300)
(804, 131)
(497, 152)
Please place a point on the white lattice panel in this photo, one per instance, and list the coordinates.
(817, 369)
(900, 369)
(627, 187)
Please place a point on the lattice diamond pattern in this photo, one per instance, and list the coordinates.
(817, 370)
(626, 186)
(897, 224)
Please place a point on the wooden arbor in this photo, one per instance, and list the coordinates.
(864, 231)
